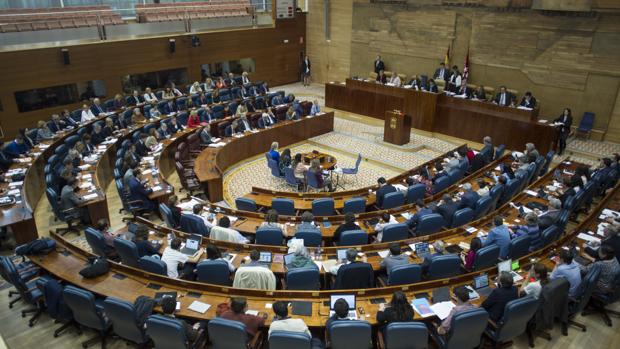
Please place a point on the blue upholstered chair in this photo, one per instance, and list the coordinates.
(87, 313)
(284, 207)
(429, 224)
(416, 192)
(486, 257)
(392, 200)
(246, 204)
(354, 205)
(229, 334)
(350, 334)
(312, 238)
(288, 340)
(269, 236)
(214, 272)
(323, 207)
(441, 184)
(353, 238)
(517, 314)
(405, 274)
(127, 251)
(444, 266)
(395, 232)
(403, 335)
(462, 217)
(168, 333)
(125, 321)
(303, 279)
(96, 241)
(519, 247)
(465, 331)
(152, 265)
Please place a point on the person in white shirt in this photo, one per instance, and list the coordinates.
(149, 96)
(197, 210)
(386, 220)
(223, 232)
(539, 273)
(175, 90)
(454, 83)
(316, 108)
(244, 78)
(483, 189)
(195, 88)
(87, 114)
(174, 258)
(395, 79)
(282, 322)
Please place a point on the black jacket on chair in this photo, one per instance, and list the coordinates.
(354, 276)
(496, 302)
(553, 304)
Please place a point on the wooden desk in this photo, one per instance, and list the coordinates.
(325, 160)
(433, 112)
(211, 163)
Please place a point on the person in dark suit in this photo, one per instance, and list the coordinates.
(480, 94)
(381, 77)
(139, 192)
(500, 296)
(205, 135)
(565, 121)
(439, 172)
(487, 150)
(56, 124)
(441, 72)
(528, 100)
(421, 211)
(5, 160)
(379, 65)
(97, 136)
(455, 80)
(97, 108)
(266, 120)
(439, 248)
(135, 99)
(469, 198)
(384, 188)
(465, 91)
(168, 306)
(570, 184)
(202, 99)
(118, 103)
(141, 148)
(363, 280)
(349, 224)
(69, 200)
(244, 124)
(173, 200)
(305, 70)
(503, 98)
(432, 87)
(446, 208)
(547, 219)
(174, 126)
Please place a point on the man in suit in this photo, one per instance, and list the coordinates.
(163, 131)
(503, 97)
(438, 246)
(528, 101)
(432, 87)
(379, 65)
(69, 200)
(267, 120)
(439, 172)
(5, 160)
(394, 259)
(441, 72)
(344, 268)
(205, 135)
(500, 296)
(244, 124)
(55, 124)
(549, 218)
(469, 198)
(305, 70)
(421, 211)
(564, 122)
(141, 148)
(134, 99)
(446, 208)
(139, 192)
(384, 188)
(97, 108)
(464, 91)
(149, 96)
(487, 150)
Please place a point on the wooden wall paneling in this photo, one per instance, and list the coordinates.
(277, 63)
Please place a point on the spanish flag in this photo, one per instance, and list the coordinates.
(447, 58)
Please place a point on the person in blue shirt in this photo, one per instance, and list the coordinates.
(531, 229)
(315, 107)
(500, 235)
(566, 268)
(17, 148)
(275, 155)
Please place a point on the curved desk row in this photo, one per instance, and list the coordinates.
(128, 283)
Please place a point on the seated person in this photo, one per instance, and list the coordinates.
(503, 97)
(282, 322)
(322, 181)
(255, 275)
(610, 268)
(307, 223)
(469, 197)
(341, 313)
(174, 258)
(461, 294)
(470, 256)
(500, 296)
(432, 86)
(194, 119)
(532, 230)
(439, 248)
(285, 160)
(43, 132)
(70, 201)
(395, 79)
(439, 172)
(87, 114)
(273, 152)
(168, 306)
(349, 224)
(566, 268)
(316, 108)
(395, 258)
(197, 212)
(386, 220)
(97, 108)
(528, 101)
(480, 93)
(103, 227)
(483, 189)
(299, 168)
(144, 246)
(500, 236)
(290, 114)
(384, 188)
(205, 135)
(56, 125)
(163, 131)
(301, 258)
(174, 125)
(398, 310)
(214, 254)
(267, 119)
(139, 192)
(446, 208)
(537, 278)
(271, 221)
(351, 258)
(149, 96)
(244, 123)
(223, 232)
(420, 212)
(97, 136)
(17, 148)
(238, 307)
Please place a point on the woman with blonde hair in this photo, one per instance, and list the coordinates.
(195, 88)
(273, 152)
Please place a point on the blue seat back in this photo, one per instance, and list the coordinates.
(166, 213)
(303, 279)
(416, 192)
(152, 265)
(289, 175)
(393, 199)
(454, 176)
(466, 329)
(429, 224)
(323, 207)
(350, 334)
(227, 334)
(95, 241)
(395, 232)
(441, 184)
(444, 267)
(519, 247)
(312, 181)
(353, 238)
(499, 152)
(82, 304)
(354, 205)
(483, 205)
(550, 234)
(245, 204)
(288, 340)
(193, 225)
(585, 290)
(285, 207)
(269, 236)
(166, 332)
(486, 257)
(127, 251)
(587, 122)
(517, 313)
(312, 238)
(124, 320)
(274, 167)
(462, 217)
(406, 335)
(405, 274)
(214, 272)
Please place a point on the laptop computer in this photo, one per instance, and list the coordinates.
(481, 285)
(350, 298)
(422, 249)
(265, 257)
(288, 259)
(341, 254)
(507, 266)
(192, 244)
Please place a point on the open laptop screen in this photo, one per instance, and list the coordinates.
(350, 298)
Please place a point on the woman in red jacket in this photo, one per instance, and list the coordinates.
(194, 120)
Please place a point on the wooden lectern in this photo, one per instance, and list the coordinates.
(397, 127)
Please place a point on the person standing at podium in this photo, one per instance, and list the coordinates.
(563, 123)
(379, 65)
(441, 72)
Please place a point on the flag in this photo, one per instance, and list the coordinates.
(465, 69)
(447, 58)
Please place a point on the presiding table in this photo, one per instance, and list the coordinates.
(435, 112)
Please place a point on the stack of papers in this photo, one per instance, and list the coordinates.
(188, 205)
(384, 254)
(588, 238)
(217, 145)
(442, 309)
(90, 196)
(199, 307)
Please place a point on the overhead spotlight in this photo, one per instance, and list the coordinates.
(195, 41)
(172, 45)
